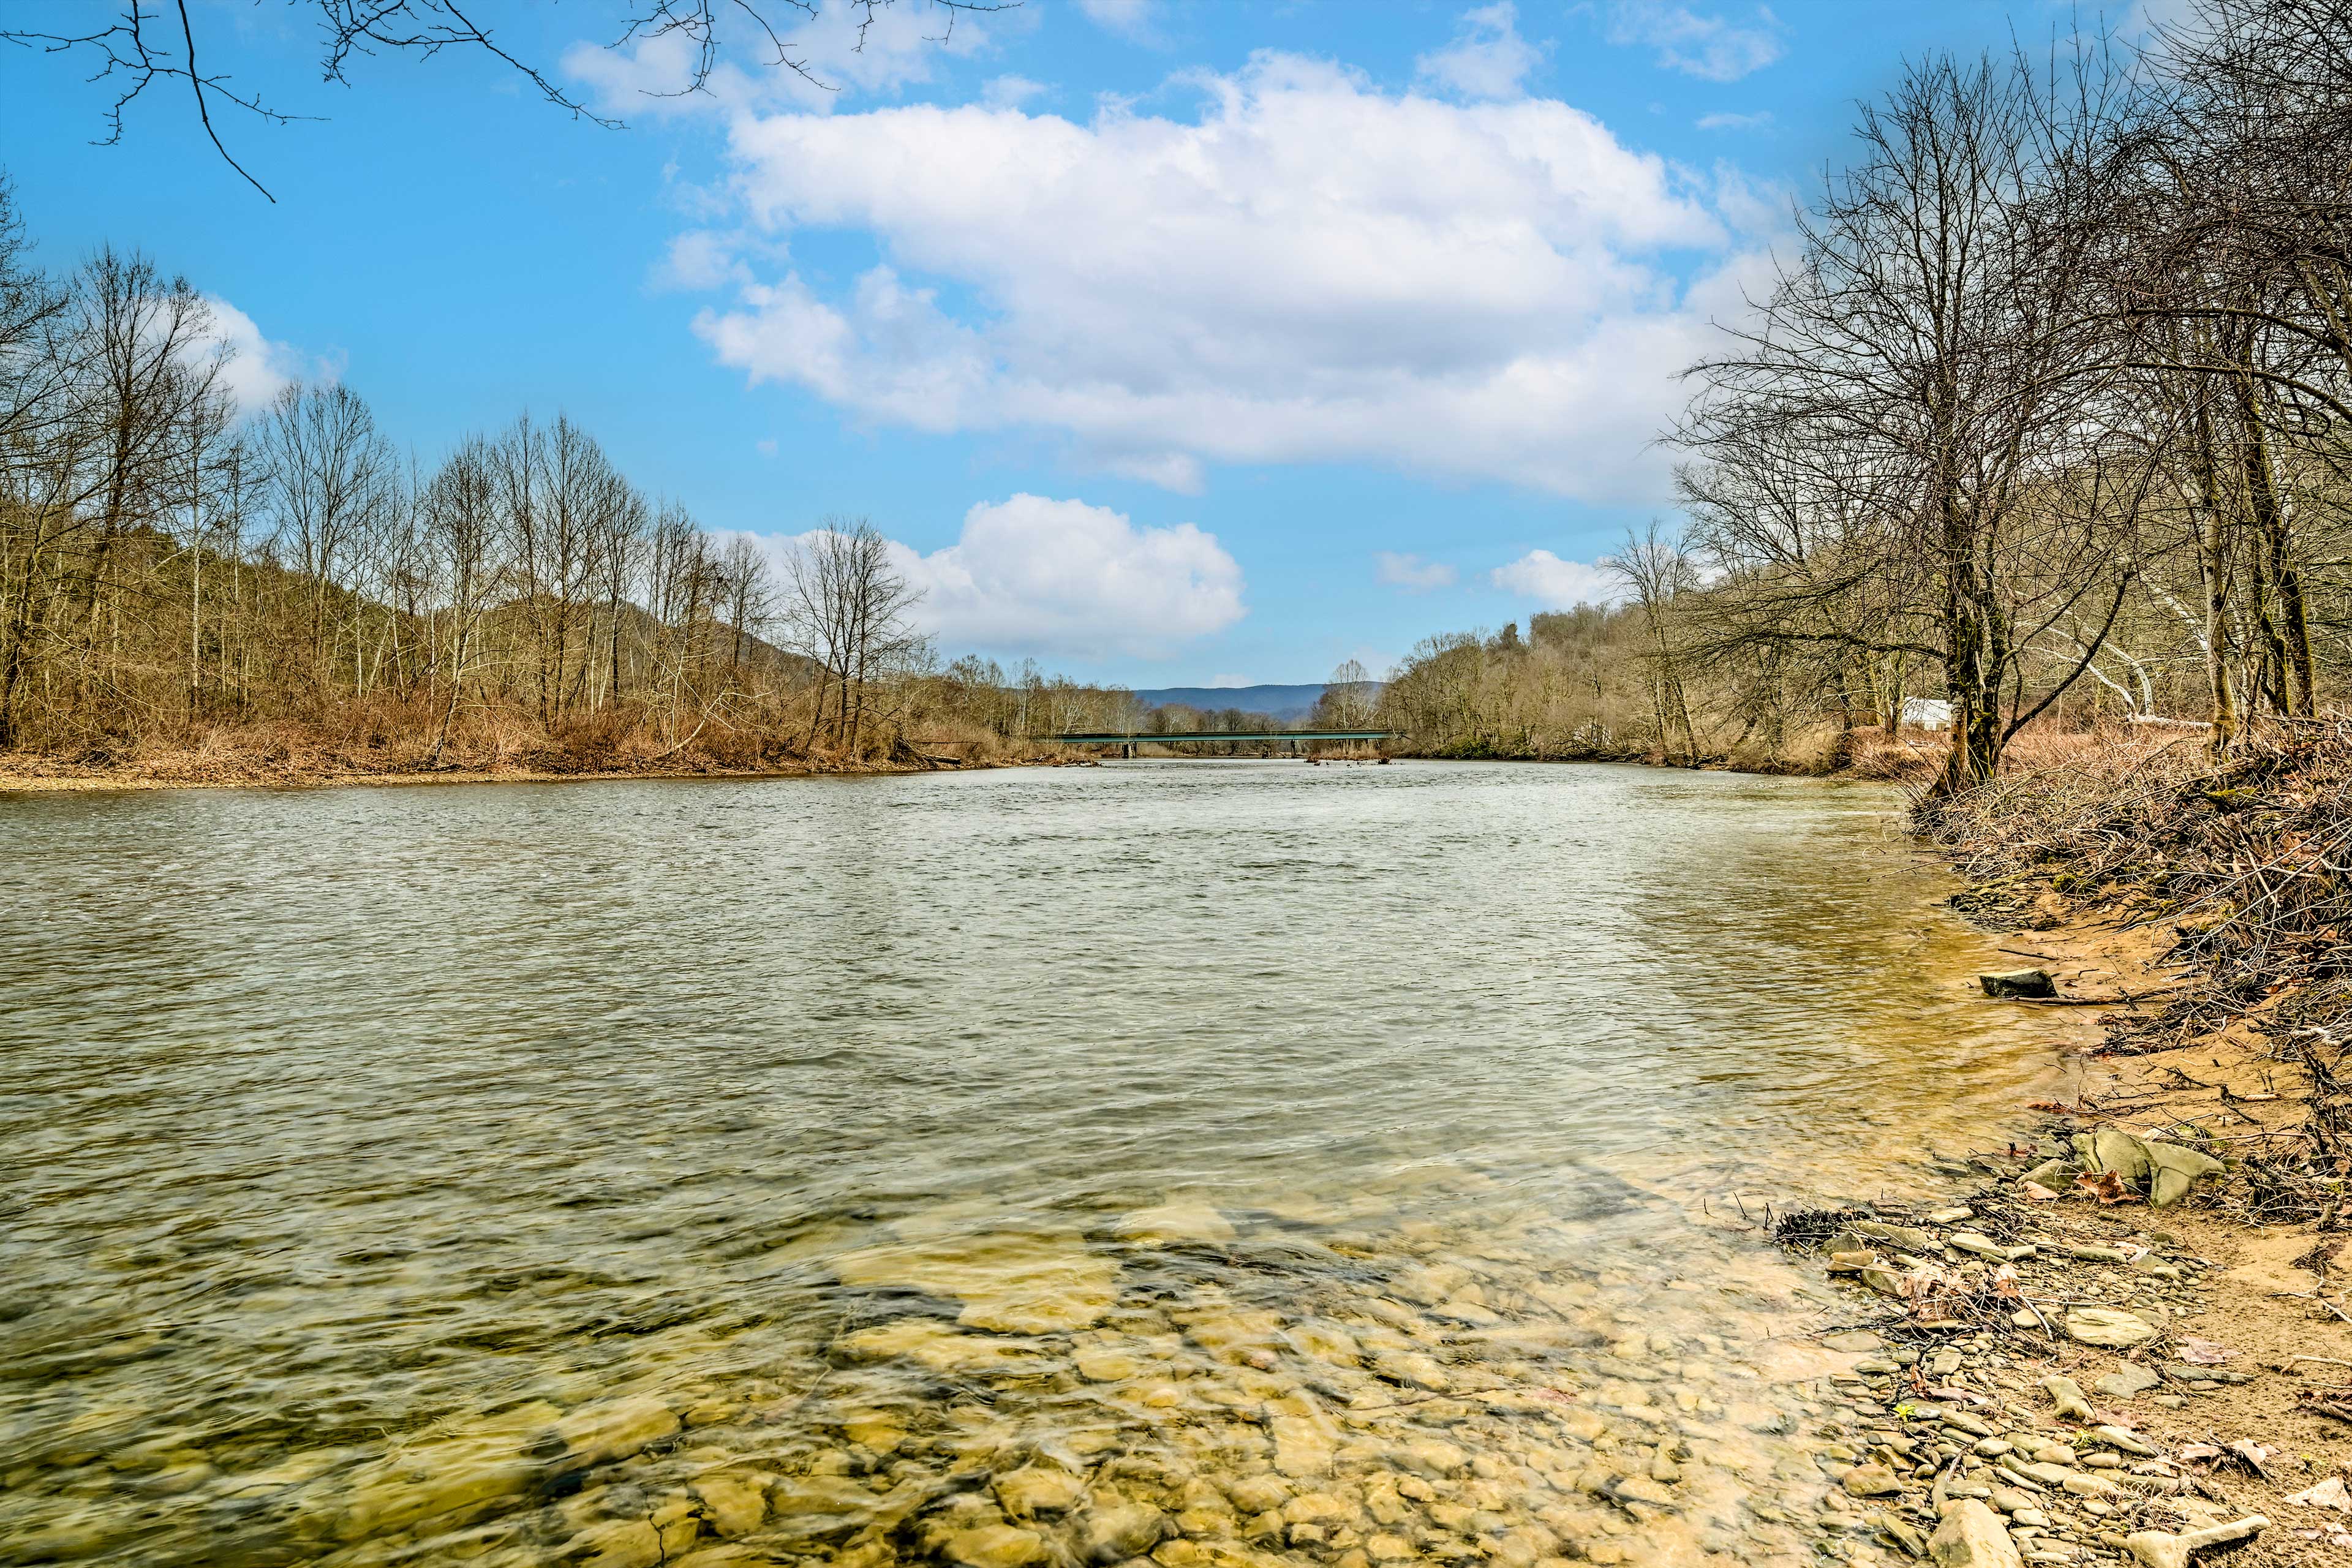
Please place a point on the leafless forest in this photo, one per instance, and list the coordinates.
(2043, 416)
(288, 588)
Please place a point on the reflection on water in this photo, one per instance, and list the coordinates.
(1229, 1162)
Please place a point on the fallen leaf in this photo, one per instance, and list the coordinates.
(2253, 1455)
(2204, 1352)
(2329, 1493)
(2108, 1187)
(2037, 1192)
(2192, 1453)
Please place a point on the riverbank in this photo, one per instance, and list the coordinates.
(32, 774)
(2067, 1355)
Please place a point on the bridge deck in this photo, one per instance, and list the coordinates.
(1138, 738)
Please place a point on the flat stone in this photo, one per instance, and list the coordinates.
(2094, 1254)
(2066, 1396)
(1908, 1237)
(1855, 1342)
(734, 1507)
(2057, 1175)
(1335, 1347)
(2126, 1381)
(1193, 1222)
(618, 1543)
(1114, 1531)
(816, 1506)
(932, 1343)
(1303, 1446)
(2109, 1326)
(1107, 1363)
(1871, 1481)
(1971, 1536)
(995, 1546)
(2130, 1442)
(599, 1434)
(1011, 1282)
(1034, 1489)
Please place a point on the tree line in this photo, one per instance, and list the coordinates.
(2043, 412)
(175, 571)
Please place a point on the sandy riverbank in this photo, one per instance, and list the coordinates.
(2209, 1403)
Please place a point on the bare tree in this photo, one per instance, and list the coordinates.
(331, 476)
(146, 44)
(848, 610)
(465, 544)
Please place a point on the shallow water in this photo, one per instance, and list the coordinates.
(1316, 1164)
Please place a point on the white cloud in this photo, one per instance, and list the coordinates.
(846, 48)
(1487, 58)
(1010, 91)
(253, 368)
(1311, 269)
(700, 258)
(1697, 45)
(1033, 576)
(1756, 122)
(1411, 571)
(1136, 19)
(1557, 584)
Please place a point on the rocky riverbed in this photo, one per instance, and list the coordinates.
(1203, 1387)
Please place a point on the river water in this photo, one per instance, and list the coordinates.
(1246, 1161)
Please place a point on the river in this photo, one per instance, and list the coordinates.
(1252, 1161)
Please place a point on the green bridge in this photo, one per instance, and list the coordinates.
(1182, 737)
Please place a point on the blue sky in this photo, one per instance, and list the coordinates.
(1176, 343)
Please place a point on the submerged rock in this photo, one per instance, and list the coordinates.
(2026, 982)
(1011, 1282)
(1034, 1489)
(1113, 1531)
(995, 1546)
(735, 1507)
(1192, 1221)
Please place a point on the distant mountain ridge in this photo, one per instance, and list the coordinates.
(1286, 703)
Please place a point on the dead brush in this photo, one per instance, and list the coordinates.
(2248, 860)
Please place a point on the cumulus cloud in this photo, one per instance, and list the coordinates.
(1557, 584)
(1697, 43)
(1030, 575)
(255, 369)
(1487, 58)
(1411, 571)
(1307, 269)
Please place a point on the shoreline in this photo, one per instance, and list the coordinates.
(43, 777)
(2008, 1416)
(71, 779)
